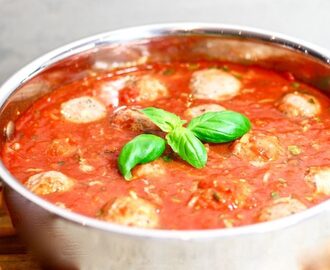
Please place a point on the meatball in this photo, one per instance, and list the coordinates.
(49, 182)
(133, 119)
(299, 104)
(281, 207)
(131, 212)
(258, 148)
(201, 109)
(227, 194)
(320, 177)
(151, 169)
(62, 148)
(214, 84)
(83, 110)
(150, 89)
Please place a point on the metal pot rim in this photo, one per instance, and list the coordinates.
(150, 31)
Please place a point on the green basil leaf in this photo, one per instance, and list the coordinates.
(166, 121)
(219, 127)
(142, 149)
(187, 146)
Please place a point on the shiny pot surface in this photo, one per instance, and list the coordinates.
(66, 240)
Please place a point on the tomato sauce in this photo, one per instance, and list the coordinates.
(228, 192)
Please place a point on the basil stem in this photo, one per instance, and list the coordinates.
(219, 127)
(187, 146)
(142, 149)
(166, 121)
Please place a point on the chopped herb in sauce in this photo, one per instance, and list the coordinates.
(168, 72)
(60, 163)
(294, 150)
(193, 66)
(216, 196)
(274, 195)
(167, 158)
(295, 85)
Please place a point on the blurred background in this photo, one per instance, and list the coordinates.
(30, 28)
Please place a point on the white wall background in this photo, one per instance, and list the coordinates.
(29, 28)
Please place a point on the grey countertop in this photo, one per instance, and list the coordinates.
(30, 28)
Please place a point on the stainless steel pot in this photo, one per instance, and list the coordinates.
(70, 241)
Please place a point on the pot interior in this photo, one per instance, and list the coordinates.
(128, 48)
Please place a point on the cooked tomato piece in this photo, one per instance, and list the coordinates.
(132, 212)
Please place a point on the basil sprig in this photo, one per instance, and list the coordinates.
(213, 127)
(142, 149)
(219, 127)
(187, 146)
(166, 121)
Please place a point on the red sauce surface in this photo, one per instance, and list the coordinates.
(225, 174)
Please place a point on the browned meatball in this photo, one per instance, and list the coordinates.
(134, 119)
(151, 169)
(299, 104)
(281, 207)
(131, 212)
(150, 88)
(214, 84)
(215, 195)
(83, 110)
(62, 148)
(258, 148)
(49, 182)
